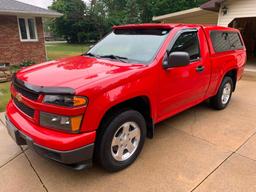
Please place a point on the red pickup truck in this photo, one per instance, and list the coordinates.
(103, 104)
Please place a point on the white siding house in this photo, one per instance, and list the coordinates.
(236, 9)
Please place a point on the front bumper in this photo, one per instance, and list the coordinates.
(78, 159)
(48, 138)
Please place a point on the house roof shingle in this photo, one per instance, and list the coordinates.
(12, 7)
(212, 5)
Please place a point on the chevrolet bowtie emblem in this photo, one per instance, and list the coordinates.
(19, 97)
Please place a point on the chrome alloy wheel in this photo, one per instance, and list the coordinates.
(226, 93)
(125, 141)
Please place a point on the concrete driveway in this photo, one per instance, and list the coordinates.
(197, 150)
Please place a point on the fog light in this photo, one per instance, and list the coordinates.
(65, 123)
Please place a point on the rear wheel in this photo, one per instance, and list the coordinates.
(121, 141)
(223, 97)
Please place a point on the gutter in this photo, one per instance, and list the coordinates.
(36, 14)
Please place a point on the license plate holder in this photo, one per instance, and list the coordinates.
(15, 134)
(11, 130)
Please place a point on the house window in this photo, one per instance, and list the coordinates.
(27, 29)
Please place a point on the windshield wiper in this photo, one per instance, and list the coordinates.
(90, 54)
(119, 58)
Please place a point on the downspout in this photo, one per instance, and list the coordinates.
(220, 12)
(45, 50)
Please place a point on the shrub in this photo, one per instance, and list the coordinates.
(27, 63)
(14, 68)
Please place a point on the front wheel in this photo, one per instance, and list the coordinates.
(121, 140)
(223, 97)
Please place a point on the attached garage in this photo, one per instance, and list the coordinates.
(195, 15)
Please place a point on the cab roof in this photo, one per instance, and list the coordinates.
(170, 26)
(146, 26)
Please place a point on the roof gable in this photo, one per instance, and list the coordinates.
(12, 7)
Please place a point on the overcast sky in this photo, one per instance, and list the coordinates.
(39, 3)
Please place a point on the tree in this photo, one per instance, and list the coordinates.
(89, 22)
(115, 11)
(73, 20)
(132, 12)
(96, 16)
(167, 6)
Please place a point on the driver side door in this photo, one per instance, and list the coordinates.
(183, 87)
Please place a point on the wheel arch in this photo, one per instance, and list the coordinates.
(140, 103)
(233, 75)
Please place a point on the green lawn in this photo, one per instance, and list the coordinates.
(4, 95)
(60, 50)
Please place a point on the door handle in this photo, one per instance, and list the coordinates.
(200, 68)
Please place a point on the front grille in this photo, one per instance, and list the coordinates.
(25, 109)
(25, 92)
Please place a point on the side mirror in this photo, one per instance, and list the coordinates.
(176, 59)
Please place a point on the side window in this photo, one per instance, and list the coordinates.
(225, 41)
(220, 41)
(188, 42)
(235, 40)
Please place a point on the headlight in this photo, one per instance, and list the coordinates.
(65, 100)
(65, 123)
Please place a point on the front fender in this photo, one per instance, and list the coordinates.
(100, 104)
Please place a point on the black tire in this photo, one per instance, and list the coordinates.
(216, 101)
(103, 151)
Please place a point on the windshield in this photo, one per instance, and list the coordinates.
(130, 45)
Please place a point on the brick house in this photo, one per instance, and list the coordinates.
(21, 32)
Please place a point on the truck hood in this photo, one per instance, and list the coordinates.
(73, 72)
